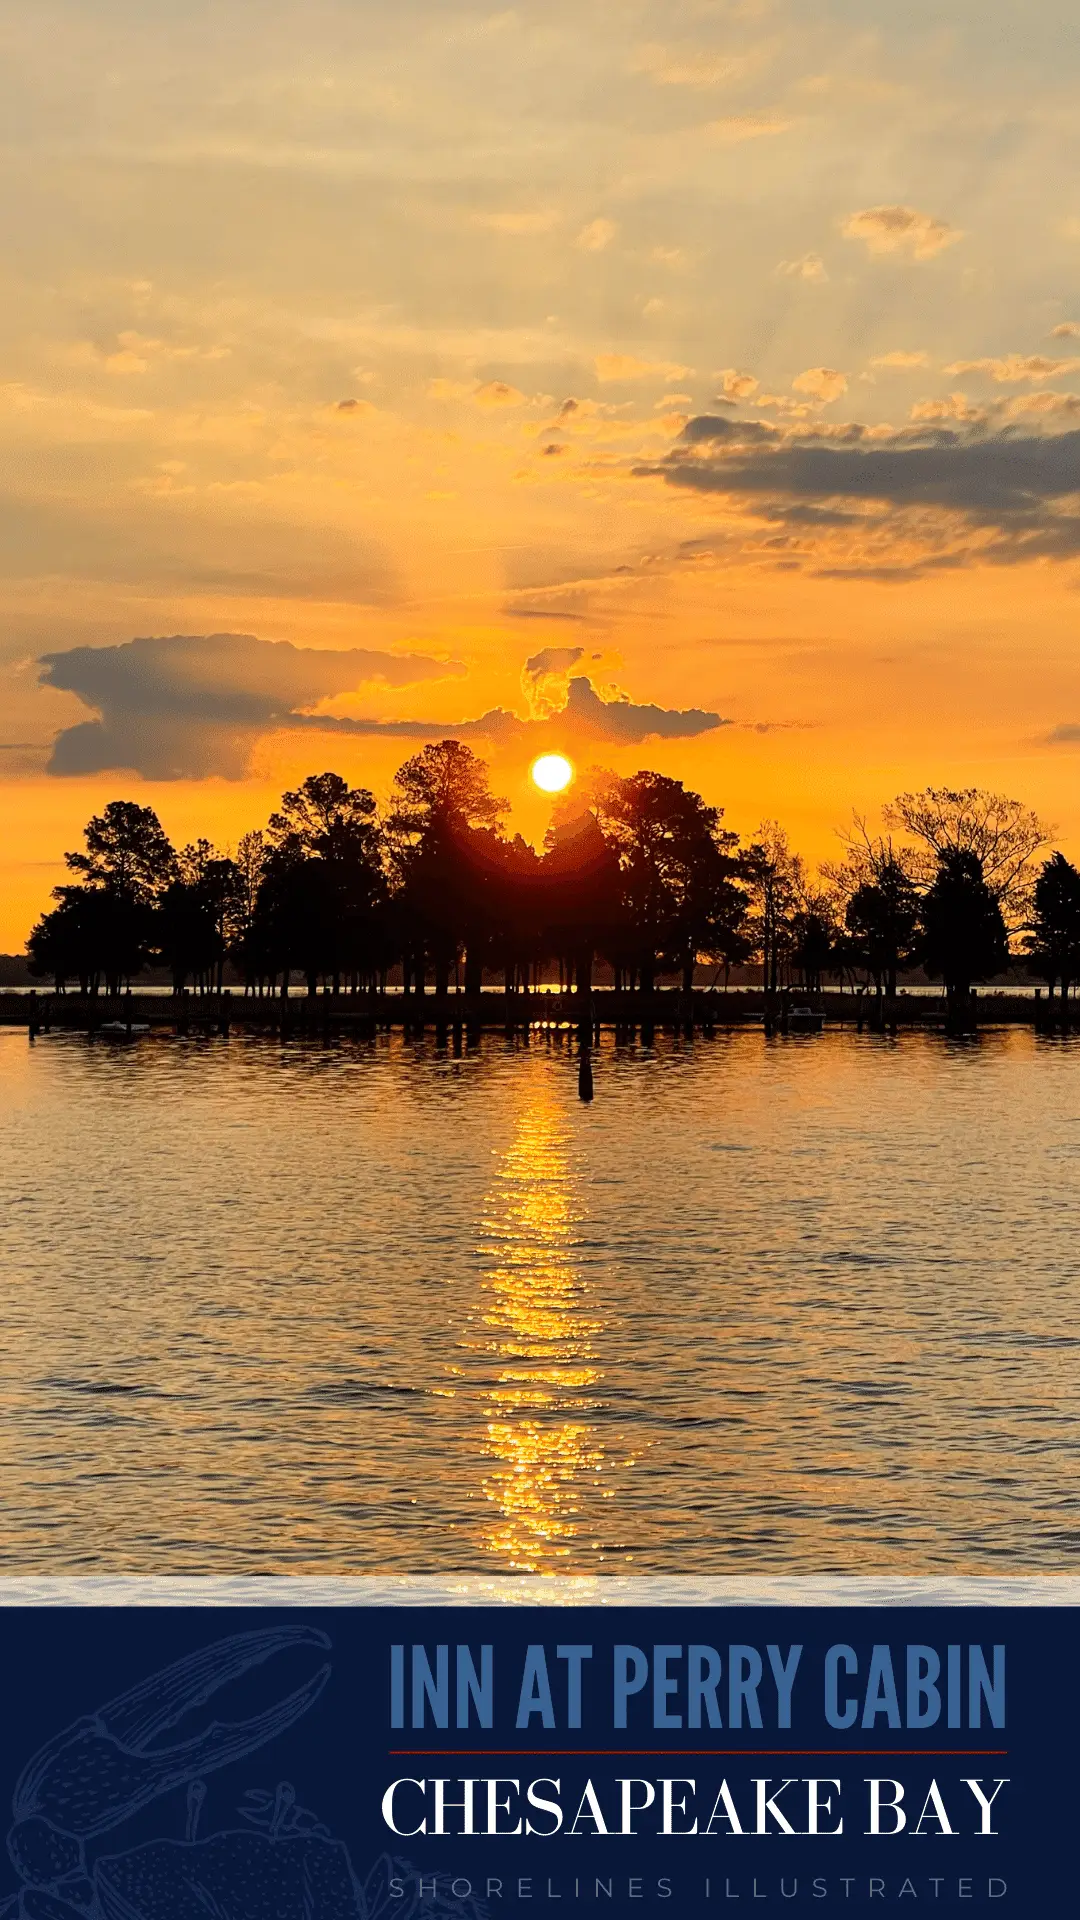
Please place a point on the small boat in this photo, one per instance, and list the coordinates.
(122, 1029)
(804, 1020)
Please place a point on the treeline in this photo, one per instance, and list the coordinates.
(639, 871)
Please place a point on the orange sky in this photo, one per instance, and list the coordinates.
(295, 303)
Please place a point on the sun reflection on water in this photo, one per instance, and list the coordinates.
(537, 1325)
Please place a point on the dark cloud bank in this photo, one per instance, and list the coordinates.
(1015, 487)
(190, 706)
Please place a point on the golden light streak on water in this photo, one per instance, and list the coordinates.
(539, 1324)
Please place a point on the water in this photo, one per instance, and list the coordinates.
(792, 1306)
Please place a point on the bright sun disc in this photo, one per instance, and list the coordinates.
(552, 773)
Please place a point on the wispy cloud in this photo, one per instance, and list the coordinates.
(900, 230)
(597, 236)
(1013, 367)
(697, 67)
(611, 367)
(901, 360)
(732, 131)
(524, 222)
(810, 266)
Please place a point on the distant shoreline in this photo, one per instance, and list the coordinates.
(670, 1009)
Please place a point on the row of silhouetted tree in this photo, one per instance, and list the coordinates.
(638, 870)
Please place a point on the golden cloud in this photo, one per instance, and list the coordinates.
(956, 406)
(900, 230)
(901, 360)
(626, 366)
(539, 221)
(597, 235)
(746, 126)
(824, 383)
(735, 385)
(687, 67)
(1015, 366)
(811, 266)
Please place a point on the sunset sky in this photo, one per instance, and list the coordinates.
(681, 385)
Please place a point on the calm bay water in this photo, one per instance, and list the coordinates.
(799, 1305)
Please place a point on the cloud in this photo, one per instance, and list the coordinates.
(901, 360)
(688, 67)
(619, 720)
(1067, 735)
(956, 406)
(597, 235)
(580, 714)
(542, 220)
(904, 500)
(746, 126)
(496, 393)
(1013, 367)
(545, 679)
(810, 266)
(900, 230)
(735, 385)
(824, 383)
(488, 393)
(554, 660)
(191, 705)
(1066, 330)
(626, 366)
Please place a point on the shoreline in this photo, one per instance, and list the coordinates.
(667, 1009)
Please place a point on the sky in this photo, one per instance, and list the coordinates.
(683, 385)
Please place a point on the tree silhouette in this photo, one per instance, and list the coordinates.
(323, 883)
(776, 879)
(1000, 834)
(963, 935)
(678, 873)
(813, 936)
(638, 869)
(442, 872)
(583, 901)
(103, 926)
(1053, 942)
(196, 916)
(881, 918)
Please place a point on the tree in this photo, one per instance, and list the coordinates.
(196, 917)
(127, 853)
(446, 784)
(963, 935)
(776, 880)
(813, 936)
(680, 890)
(250, 865)
(68, 941)
(582, 892)
(325, 818)
(323, 881)
(1001, 835)
(881, 918)
(1053, 941)
(103, 925)
(441, 799)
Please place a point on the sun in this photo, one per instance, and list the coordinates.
(552, 773)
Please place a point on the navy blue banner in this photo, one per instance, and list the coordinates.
(371, 1763)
